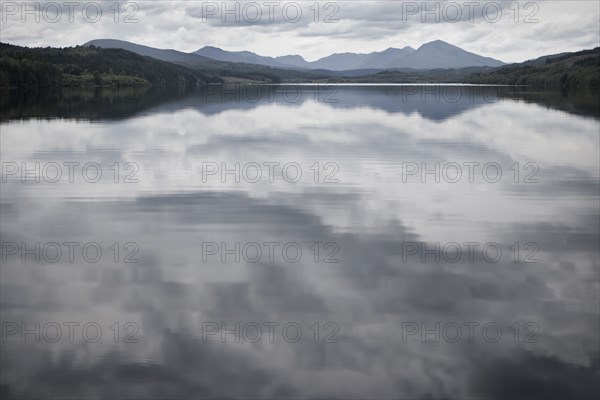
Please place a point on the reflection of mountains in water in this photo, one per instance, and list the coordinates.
(433, 102)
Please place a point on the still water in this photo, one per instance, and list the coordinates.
(301, 242)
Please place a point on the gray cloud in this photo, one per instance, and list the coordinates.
(363, 26)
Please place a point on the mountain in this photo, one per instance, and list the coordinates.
(293, 60)
(441, 55)
(338, 61)
(382, 59)
(350, 61)
(246, 57)
(432, 55)
(160, 54)
(334, 62)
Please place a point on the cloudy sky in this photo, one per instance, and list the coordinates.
(506, 30)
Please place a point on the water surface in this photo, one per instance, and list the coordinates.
(367, 286)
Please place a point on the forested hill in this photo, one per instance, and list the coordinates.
(39, 68)
(571, 70)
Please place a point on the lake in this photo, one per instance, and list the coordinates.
(301, 242)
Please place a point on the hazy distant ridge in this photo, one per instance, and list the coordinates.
(432, 55)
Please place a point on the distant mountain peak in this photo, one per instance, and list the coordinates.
(397, 49)
(438, 43)
(291, 57)
(91, 42)
(438, 54)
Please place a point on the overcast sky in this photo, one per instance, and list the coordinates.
(276, 28)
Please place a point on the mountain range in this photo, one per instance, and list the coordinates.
(433, 55)
(111, 63)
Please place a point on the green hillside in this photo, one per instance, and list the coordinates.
(41, 68)
(572, 70)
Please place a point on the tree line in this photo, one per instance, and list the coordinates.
(40, 68)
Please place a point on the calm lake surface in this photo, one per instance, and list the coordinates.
(301, 242)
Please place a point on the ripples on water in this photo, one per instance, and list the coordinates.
(377, 247)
